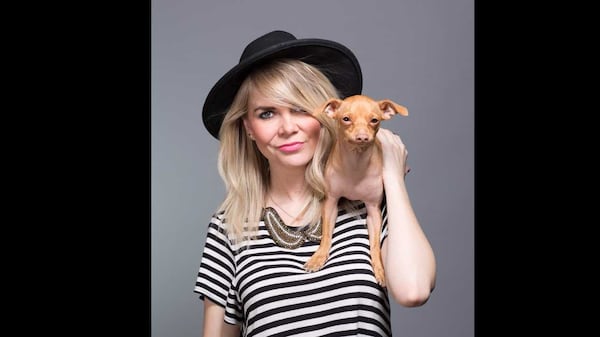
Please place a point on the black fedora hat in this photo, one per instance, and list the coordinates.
(336, 61)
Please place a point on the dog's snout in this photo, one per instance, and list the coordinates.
(362, 137)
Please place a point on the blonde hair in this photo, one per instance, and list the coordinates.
(244, 169)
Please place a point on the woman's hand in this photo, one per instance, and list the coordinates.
(394, 152)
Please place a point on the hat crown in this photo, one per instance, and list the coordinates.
(266, 41)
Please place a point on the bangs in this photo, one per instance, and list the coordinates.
(282, 90)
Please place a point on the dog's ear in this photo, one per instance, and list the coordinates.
(389, 108)
(330, 107)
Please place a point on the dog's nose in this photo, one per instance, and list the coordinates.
(362, 137)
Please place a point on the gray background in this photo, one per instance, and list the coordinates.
(419, 53)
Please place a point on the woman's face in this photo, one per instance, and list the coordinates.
(286, 136)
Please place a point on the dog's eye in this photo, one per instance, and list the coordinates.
(374, 120)
(346, 119)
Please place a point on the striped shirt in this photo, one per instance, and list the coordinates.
(265, 289)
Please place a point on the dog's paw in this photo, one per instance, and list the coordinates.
(315, 263)
(379, 276)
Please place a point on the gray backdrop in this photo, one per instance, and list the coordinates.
(419, 53)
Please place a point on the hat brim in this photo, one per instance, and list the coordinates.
(336, 62)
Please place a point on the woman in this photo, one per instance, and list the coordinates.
(272, 155)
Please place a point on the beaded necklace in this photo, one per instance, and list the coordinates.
(287, 236)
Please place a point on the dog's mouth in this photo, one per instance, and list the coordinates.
(358, 146)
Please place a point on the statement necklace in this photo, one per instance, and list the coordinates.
(286, 236)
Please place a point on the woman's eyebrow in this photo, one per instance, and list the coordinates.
(264, 108)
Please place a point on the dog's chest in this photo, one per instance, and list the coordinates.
(366, 186)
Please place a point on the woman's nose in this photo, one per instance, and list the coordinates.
(288, 124)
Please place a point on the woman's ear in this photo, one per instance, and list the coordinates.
(248, 131)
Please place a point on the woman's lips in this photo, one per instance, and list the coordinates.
(291, 147)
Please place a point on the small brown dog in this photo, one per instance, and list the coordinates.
(354, 170)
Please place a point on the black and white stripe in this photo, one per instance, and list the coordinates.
(264, 288)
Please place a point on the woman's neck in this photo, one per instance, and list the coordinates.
(288, 185)
(288, 194)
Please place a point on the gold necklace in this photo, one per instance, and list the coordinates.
(294, 218)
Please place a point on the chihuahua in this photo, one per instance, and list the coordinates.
(354, 171)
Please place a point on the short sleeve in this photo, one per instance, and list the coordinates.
(233, 309)
(217, 267)
(384, 222)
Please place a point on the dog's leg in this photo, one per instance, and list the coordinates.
(328, 217)
(374, 228)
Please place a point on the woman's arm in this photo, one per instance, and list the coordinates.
(408, 258)
(214, 326)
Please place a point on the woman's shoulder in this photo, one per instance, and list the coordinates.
(217, 223)
(356, 208)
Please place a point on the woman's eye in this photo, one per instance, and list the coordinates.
(266, 114)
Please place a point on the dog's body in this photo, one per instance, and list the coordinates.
(354, 170)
